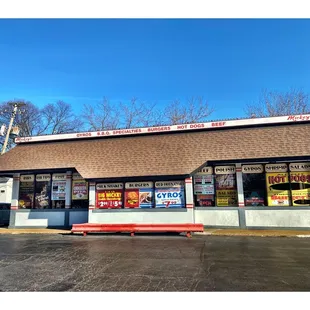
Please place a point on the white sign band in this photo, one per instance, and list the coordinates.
(172, 128)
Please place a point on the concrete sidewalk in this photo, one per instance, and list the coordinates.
(5, 230)
(207, 232)
(256, 233)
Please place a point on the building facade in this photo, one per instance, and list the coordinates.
(248, 173)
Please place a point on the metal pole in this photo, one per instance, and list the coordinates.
(9, 129)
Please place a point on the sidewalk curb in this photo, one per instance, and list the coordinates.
(5, 231)
(209, 232)
(255, 233)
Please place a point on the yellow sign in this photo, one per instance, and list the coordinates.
(300, 185)
(79, 189)
(278, 189)
(227, 197)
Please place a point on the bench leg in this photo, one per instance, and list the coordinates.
(84, 233)
(132, 234)
(188, 234)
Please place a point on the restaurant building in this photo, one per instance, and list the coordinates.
(244, 173)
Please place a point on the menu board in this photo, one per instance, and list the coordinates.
(42, 191)
(139, 195)
(59, 190)
(109, 195)
(203, 179)
(79, 190)
(278, 189)
(59, 186)
(204, 187)
(169, 194)
(26, 192)
(226, 191)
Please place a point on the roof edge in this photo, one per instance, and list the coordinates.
(237, 123)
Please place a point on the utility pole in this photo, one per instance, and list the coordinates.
(16, 106)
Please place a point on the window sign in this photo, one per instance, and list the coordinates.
(139, 195)
(59, 177)
(300, 186)
(204, 187)
(226, 188)
(26, 192)
(27, 178)
(59, 186)
(42, 191)
(79, 189)
(300, 167)
(203, 179)
(169, 194)
(43, 177)
(79, 192)
(276, 168)
(109, 195)
(252, 169)
(278, 189)
(76, 176)
(225, 170)
(205, 170)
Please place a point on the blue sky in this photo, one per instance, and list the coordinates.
(227, 61)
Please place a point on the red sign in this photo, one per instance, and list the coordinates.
(132, 198)
(109, 199)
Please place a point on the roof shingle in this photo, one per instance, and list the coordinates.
(154, 155)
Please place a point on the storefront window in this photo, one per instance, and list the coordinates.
(278, 185)
(26, 192)
(42, 191)
(169, 194)
(300, 183)
(226, 187)
(139, 195)
(254, 185)
(204, 188)
(58, 190)
(109, 195)
(79, 192)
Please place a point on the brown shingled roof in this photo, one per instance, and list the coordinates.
(164, 154)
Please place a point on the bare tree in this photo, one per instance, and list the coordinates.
(101, 116)
(137, 113)
(272, 103)
(33, 121)
(193, 111)
(28, 118)
(106, 116)
(59, 118)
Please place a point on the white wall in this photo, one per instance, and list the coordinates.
(40, 219)
(28, 218)
(217, 217)
(152, 216)
(6, 186)
(278, 218)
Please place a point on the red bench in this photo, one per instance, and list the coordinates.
(133, 228)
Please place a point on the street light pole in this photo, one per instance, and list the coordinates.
(16, 105)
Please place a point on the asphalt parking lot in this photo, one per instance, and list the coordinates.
(153, 263)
